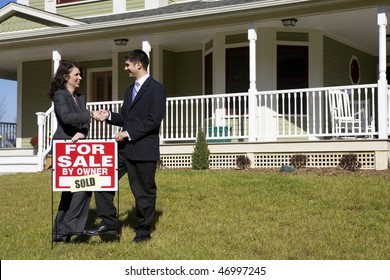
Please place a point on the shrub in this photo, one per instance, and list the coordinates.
(243, 162)
(350, 162)
(298, 160)
(160, 164)
(201, 153)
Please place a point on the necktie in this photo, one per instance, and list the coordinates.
(135, 90)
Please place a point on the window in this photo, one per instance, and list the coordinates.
(67, 1)
(292, 72)
(354, 70)
(237, 78)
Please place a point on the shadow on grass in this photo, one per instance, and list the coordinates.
(129, 221)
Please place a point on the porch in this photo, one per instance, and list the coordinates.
(267, 126)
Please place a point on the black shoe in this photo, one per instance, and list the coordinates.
(102, 230)
(141, 238)
(65, 238)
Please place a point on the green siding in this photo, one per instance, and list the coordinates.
(86, 9)
(35, 85)
(292, 36)
(183, 73)
(337, 57)
(168, 70)
(123, 77)
(209, 45)
(135, 5)
(38, 4)
(236, 38)
(23, 22)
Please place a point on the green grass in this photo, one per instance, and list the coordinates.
(224, 215)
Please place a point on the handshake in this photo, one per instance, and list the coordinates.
(100, 115)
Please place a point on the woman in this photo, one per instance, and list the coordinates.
(73, 124)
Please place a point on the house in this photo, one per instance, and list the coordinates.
(267, 79)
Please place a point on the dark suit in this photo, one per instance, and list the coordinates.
(72, 117)
(141, 119)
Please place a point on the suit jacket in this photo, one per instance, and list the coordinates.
(71, 117)
(142, 119)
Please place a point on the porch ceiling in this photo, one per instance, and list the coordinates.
(356, 27)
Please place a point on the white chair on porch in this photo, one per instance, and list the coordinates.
(345, 120)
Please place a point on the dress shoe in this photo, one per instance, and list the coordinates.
(102, 230)
(65, 238)
(141, 238)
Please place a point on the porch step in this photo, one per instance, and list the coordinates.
(18, 160)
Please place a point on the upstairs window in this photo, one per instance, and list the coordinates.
(67, 1)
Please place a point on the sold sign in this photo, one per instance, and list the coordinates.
(88, 165)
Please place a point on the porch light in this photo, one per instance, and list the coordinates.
(121, 42)
(289, 22)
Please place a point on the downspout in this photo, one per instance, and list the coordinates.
(382, 82)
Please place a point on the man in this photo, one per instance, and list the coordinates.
(141, 114)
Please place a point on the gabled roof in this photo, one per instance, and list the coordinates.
(39, 16)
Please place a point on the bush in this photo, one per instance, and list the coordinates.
(243, 162)
(160, 164)
(350, 162)
(201, 153)
(298, 160)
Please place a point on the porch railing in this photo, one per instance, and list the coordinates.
(7, 135)
(287, 114)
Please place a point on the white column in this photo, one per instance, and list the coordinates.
(23, 2)
(118, 6)
(51, 6)
(382, 82)
(56, 60)
(56, 63)
(252, 37)
(40, 156)
(153, 4)
(146, 48)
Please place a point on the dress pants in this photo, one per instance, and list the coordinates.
(141, 176)
(72, 214)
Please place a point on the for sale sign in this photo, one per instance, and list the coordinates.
(86, 165)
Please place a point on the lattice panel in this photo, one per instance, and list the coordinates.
(271, 160)
(223, 161)
(320, 160)
(176, 161)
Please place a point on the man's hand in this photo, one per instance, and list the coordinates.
(120, 136)
(101, 115)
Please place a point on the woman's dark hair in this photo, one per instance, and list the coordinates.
(138, 55)
(58, 81)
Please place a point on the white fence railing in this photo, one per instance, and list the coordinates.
(313, 114)
(7, 135)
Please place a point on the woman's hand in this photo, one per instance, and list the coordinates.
(78, 136)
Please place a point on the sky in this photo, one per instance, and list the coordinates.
(8, 91)
(8, 95)
(4, 2)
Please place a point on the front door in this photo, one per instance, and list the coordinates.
(102, 86)
(292, 73)
(101, 91)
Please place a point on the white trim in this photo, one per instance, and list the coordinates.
(14, 8)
